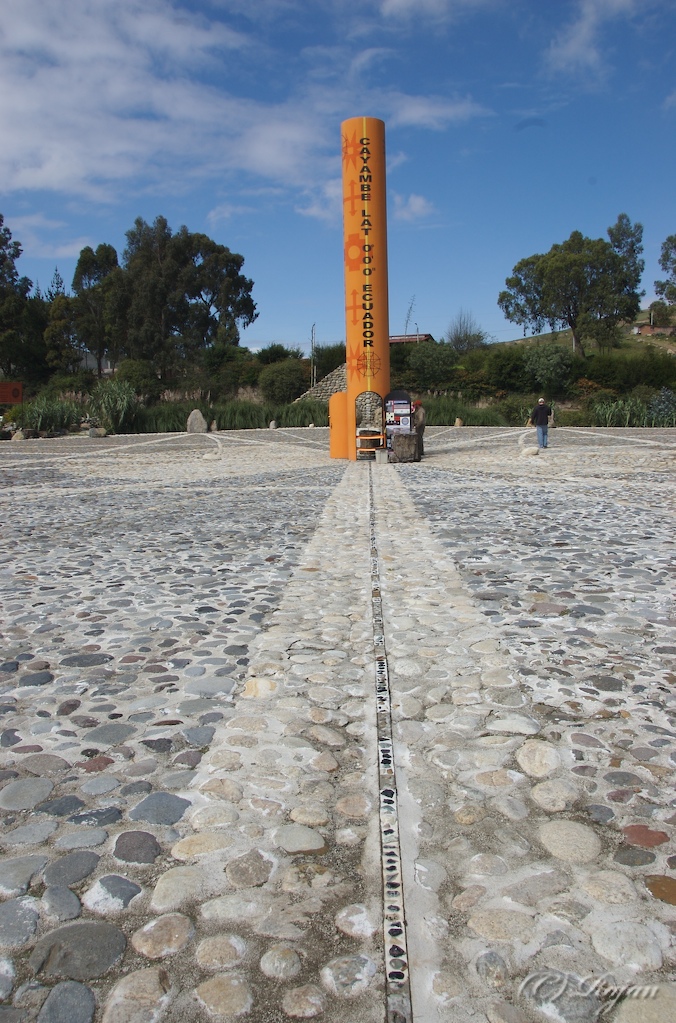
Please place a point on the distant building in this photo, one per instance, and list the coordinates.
(646, 329)
(409, 339)
(89, 362)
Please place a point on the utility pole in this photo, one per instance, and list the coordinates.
(313, 358)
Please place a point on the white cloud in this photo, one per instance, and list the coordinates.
(367, 59)
(326, 203)
(577, 47)
(33, 231)
(436, 9)
(101, 93)
(146, 96)
(414, 207)
(226, 210)
(395, 160)
(434, 112)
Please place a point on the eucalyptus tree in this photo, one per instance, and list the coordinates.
(589, 285)
(92, 283)
(667, 289)
(23, 317)
(176, 296)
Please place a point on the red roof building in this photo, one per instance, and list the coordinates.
(409, 339)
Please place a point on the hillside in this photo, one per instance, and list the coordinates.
(630, 341)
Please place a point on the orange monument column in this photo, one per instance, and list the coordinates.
(367, 332)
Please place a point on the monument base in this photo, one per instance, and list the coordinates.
(405, 447)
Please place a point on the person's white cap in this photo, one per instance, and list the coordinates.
(542, 400)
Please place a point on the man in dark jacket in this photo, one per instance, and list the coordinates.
(540, 418)
(418, 424)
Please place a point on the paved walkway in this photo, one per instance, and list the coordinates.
(246, 690)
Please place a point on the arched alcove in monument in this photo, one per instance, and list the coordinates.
(370, 423)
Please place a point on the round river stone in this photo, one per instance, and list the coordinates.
(297, 838)
(85, 660)
(574, 843)
(137, 847)
(25, 793)
(68, 1002)
(18, 922)
(160, 808)
(71, 868)
(79, 951)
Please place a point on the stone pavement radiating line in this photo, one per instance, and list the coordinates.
(196, 634)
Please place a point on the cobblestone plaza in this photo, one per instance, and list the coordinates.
(192, 747)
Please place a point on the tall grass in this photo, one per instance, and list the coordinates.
(445, 411)
(243, 415)
(659, 411)
(165, 417)
(49, 415)
(115, 405)
(171, 417)
(302, 413)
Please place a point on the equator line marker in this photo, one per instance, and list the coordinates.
(398, 992)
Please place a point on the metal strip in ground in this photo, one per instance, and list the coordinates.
(398, 992)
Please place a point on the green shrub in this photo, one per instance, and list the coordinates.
(661, 409)
(165, 417)
(169, 416)
(223, 368)
(302, 413)
(431, 365)
(471, 386)
(643, 392)
(621, 412)
(330, 357)
(623, 371)
(574, 417)
(516, 409)
(283, 382)
(114, 404)
(48, 414)
(277, 352)
(61, 384)
(506, 369)
(243, 415)
(548, 366)
(142, 377)
(444, 412)
(472, 416)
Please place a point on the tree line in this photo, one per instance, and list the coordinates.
(174, 298)
(169, 314)
(589, 286)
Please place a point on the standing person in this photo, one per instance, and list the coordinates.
(419, 417)
(540, 418)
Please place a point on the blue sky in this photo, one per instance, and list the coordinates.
(510, 123)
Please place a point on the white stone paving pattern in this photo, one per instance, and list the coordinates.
(189, 783)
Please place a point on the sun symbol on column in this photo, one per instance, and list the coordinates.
(351, 149)
(369, 364)
(353, 357)
(353, 252)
